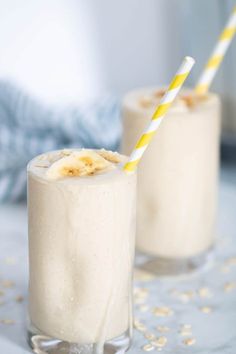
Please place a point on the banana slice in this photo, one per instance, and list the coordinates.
(110, 155)
(81, 163)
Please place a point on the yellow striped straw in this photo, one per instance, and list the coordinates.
(159, 114)
(217, 56)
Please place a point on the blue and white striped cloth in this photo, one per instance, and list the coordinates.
(27, 128)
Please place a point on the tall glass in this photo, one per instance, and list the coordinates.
(177, 178)
(81, 249)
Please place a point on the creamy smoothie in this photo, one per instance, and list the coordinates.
(81, 209)
(177, 179)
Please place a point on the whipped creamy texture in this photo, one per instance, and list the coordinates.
(81, 209)
(177, 177)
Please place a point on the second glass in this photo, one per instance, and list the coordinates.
(177, 178)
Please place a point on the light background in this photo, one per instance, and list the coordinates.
(65, 50)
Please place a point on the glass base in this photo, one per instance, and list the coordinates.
(170, 266)
(42, 344)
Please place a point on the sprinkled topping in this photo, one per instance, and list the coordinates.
(110, 155)
(162, 311)
(159, 93)
(42, 164)
(66, 152)
(189, 100)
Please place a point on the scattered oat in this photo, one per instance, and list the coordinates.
(229, 286)
(10, 260)
(148, 347)
(204, 292)
(141, 275)
(159, 342)
(141, 292)
(2, 293)
(189, 341)
(19, 298)
(140, 295)
(174, 292)
(149, 336)
(163, 329)
(230, 261)
(139, 301)
(186, 326)
(225, 269)
(8, 284)
(139, 326)
(185, 332)
(143, 308)
(206, 309)
(7, 322)
(185, 296)
(162, 311)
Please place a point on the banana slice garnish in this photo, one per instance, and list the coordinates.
(81, 163)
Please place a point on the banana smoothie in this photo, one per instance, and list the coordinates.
(177, 179)
(81, 210)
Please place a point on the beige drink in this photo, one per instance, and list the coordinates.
(81, 244)
(177, 179)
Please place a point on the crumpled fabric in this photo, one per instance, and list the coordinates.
(29, 128)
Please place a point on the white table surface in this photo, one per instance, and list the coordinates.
(214, 332)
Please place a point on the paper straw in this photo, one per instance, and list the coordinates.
(217, 56)
(159, 114)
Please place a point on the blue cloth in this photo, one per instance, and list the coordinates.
(28, 128)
